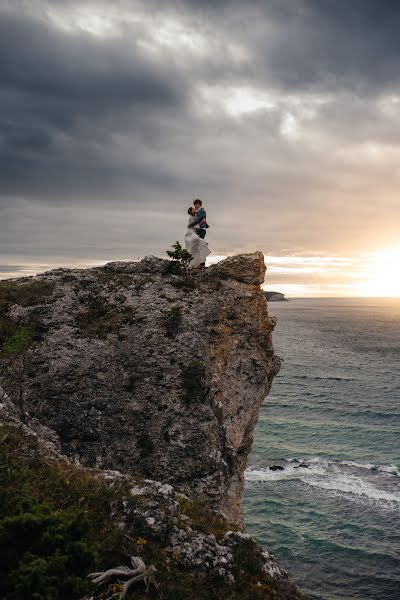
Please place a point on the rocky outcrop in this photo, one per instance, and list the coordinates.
(275, 297)
(188, 550)
(151, 373)
(129, 395)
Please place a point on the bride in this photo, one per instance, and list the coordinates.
(197, 247)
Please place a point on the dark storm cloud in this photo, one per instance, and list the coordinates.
(139, 119)
(81, 73)
(314, 44)
(350, 44)
(65, 95)
(61, 98)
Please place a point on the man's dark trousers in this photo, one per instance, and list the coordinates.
(201, 233)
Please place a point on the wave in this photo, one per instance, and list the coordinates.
(320, 378)
(359, 482)
(392, 469)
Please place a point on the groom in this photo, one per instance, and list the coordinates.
(200, 222)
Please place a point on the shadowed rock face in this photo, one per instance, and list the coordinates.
(141, 371)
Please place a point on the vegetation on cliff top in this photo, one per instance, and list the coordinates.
(57, 524)
(24, 293)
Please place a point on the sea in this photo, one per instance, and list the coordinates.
(331, 516)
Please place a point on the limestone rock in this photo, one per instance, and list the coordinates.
(248, 268)
(145, 372)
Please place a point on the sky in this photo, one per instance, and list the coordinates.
(281, 115)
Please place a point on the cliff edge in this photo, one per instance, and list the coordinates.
(133, 370)
(145, 372)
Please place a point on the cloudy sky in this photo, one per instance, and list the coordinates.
(282, 115)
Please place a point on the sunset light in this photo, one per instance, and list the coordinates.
(383, 275)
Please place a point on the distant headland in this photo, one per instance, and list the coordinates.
(275, 297)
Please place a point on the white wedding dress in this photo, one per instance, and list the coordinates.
(197, 247)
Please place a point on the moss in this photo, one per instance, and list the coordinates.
(173, 321)
(16, 360)
(193, 382)
(19, 342)
(107, 276)
(99, 318)
(203, 518)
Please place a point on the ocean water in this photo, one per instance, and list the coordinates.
(335, 406)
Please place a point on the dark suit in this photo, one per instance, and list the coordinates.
(201, 215)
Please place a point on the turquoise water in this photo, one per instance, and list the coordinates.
(333, 525)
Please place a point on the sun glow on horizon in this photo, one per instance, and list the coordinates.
(367, 275)
(383, 275)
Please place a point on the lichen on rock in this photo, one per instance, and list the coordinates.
(141, 374)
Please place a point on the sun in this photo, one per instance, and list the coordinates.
(383, 275)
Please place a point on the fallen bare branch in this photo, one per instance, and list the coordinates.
(138, 572)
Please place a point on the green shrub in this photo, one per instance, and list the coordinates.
(45, 552)
(202, 518)
(47, 537)
(181, 259)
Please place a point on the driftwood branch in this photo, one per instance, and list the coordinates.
(138, 572)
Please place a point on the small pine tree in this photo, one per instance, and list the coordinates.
(181, 258)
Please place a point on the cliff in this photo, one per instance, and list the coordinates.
(145, 375)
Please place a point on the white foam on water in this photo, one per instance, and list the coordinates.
(393, 469)
(389, 469)
(344, 478)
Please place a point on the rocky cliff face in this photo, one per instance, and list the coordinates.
(146, 372)
(115, 383)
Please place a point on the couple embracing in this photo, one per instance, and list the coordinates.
(195, 234)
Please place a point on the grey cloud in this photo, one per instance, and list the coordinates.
(78, 70)
(61, 99)
(314, 44)
(94, 124)
(350, 45)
